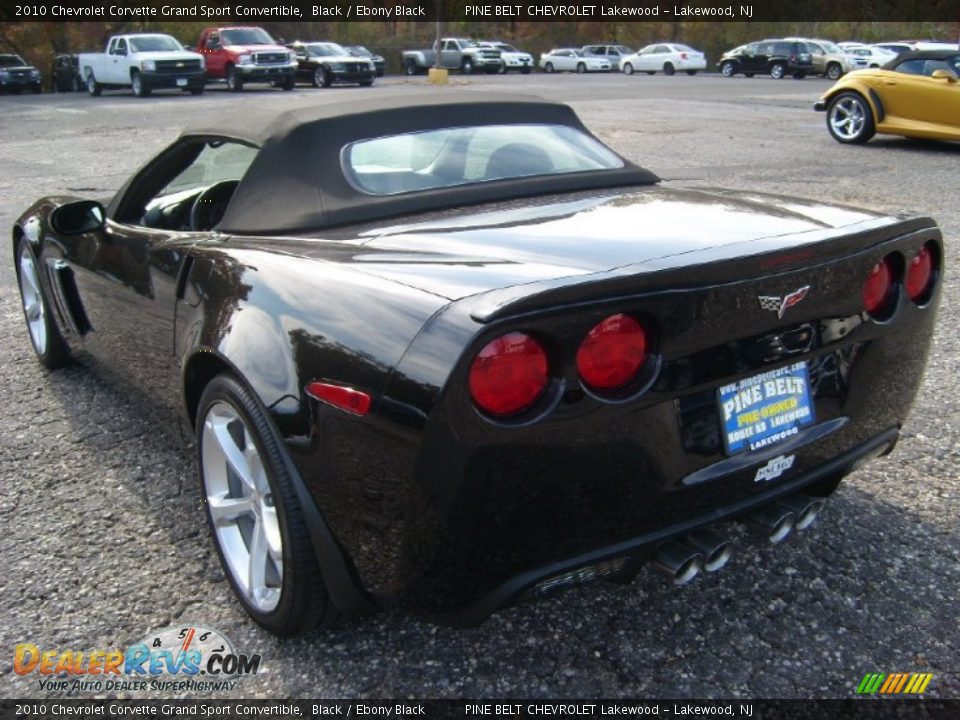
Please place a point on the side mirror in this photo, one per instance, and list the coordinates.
(78, 218)
(944, 75)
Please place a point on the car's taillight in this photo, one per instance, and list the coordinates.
(920, 275)
(612, 353)
(878, 289)
(509, 374)
(683, 56)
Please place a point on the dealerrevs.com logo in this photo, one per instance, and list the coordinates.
(184, 659)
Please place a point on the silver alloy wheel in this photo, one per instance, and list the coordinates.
(137, 84)
(848, 117)
(726, 69)
(318, 76)
(33, 301)
(777, 71)
(241, 507)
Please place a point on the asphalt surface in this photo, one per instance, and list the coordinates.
(102, 536)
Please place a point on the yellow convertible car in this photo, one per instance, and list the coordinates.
(915, 95)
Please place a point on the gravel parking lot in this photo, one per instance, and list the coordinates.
(104, 540)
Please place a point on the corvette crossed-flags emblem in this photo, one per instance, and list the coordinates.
(780, 305)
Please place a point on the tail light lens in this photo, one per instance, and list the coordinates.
(878, 289)
(612, 353)
(509, 374)
(920, 274)
(683, 56)
(355, 402)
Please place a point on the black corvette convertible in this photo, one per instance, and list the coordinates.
(453, 351)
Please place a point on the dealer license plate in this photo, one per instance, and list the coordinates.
(181, 82)
(765, 409)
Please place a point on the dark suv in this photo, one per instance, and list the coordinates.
(16, 75)
(777, 57)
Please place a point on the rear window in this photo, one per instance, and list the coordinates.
(460, 156)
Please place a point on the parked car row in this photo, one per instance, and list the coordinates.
(800, 57)
(240, 55)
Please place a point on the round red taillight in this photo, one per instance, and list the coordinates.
(509, 374)
(919, 274)
(612, 352)
(878, 289)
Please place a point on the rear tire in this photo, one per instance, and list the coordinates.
(196, 91)
(48, 343)
(691, 72)
(254, 515)
(366, 83)
(410, 67)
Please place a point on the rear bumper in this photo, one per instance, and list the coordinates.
(642, 548)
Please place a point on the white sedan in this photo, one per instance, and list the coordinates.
(870, 55)
(665, 57)
(572, 60)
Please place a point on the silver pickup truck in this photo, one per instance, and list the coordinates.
(455, 54)
(143, 62)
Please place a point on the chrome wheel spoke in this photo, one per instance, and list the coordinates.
(236, 459)
(225, 509)
(271, 531)
(257, 567)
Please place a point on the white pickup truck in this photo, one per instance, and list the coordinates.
(143, 62)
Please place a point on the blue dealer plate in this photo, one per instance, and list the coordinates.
(759, 411)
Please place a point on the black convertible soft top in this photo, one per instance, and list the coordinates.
(920, 55)
(296, 183)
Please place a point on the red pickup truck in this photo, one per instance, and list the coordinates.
(246, 54)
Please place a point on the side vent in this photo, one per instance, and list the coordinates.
(67, 298)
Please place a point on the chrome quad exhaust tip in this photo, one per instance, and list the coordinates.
(777, 521)
(678, 561)
(805, 509)
(715, 550)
